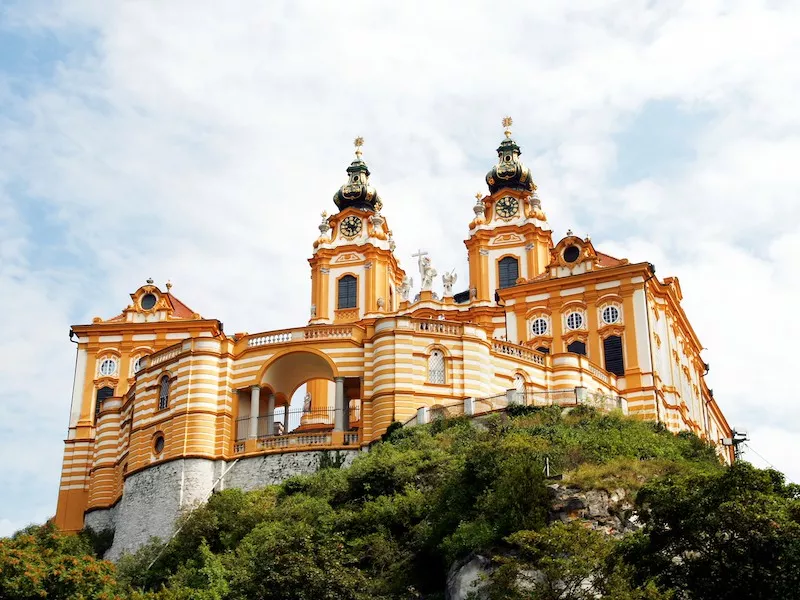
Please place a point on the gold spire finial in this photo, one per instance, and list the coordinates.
(358, 142)
(479, 196)
(169, 285)
(507, 122)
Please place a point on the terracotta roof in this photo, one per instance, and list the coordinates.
(604, 260)
(179, 309)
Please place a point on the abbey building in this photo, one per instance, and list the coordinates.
(166, 406)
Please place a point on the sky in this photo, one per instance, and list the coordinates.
(199, 142)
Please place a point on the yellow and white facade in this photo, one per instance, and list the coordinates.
(165, 403)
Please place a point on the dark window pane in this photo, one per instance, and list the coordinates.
(612, 348)
(543, 349)
(347, 293)
(509, 271)
(578, 347)
(571, 253)
(102, 394)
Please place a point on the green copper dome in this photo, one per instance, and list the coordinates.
(357, 192)
(509, 172)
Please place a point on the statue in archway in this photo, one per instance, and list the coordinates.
(307, 403)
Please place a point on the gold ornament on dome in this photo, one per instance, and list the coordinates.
(358, 142)
(507, 123)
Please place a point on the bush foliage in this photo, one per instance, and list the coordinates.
(391, 525)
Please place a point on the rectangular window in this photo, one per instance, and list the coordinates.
(509, 271)
(612, 349)
(348, 292)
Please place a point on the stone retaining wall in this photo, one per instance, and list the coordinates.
(153, 499)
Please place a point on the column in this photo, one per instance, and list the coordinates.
(286, 419)
(339, 405)
(255, 395)
(271, 414)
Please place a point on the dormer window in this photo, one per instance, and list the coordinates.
(572, 253)
(148, 301)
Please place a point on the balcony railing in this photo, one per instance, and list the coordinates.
(518, 351)
(283, 423)
(438, 327)
(526, 397)
(299, 334)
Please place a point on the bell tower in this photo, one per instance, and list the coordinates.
(354, 273)
(509, 238)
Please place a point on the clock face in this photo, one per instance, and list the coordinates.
(507, 207)
(351, 226)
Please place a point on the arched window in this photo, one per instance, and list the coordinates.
(509, 271)
(578, 347)
(612, 349)
(348, 292)
(104, 393)
(163, 393)
(436, 367)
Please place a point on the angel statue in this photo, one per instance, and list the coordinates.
(449, 280)
(405, 288)
(427, 272)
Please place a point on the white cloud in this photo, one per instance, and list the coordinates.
(201, 143)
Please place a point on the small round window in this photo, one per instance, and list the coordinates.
(539, 326)
(148, 301)
(158, 444)
(610, 315)
(108, 367)
(572, 253)
(574, 320)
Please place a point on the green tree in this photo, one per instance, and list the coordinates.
(564, 562)
(732, 534)
(42, 562)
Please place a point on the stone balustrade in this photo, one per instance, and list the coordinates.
(438, 327)
(517, 351)
(302, 334)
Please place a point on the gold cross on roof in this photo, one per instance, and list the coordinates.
(358, 142)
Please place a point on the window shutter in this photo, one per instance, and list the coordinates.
(612, 348)
(509, 271)
(347, 292)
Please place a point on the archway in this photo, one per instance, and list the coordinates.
(280, 378)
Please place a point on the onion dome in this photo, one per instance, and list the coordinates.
(357, 192)
(509, 172)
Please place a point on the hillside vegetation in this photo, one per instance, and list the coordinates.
(392, 524)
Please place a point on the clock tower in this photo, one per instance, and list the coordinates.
(509, 238)
(354, 273)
